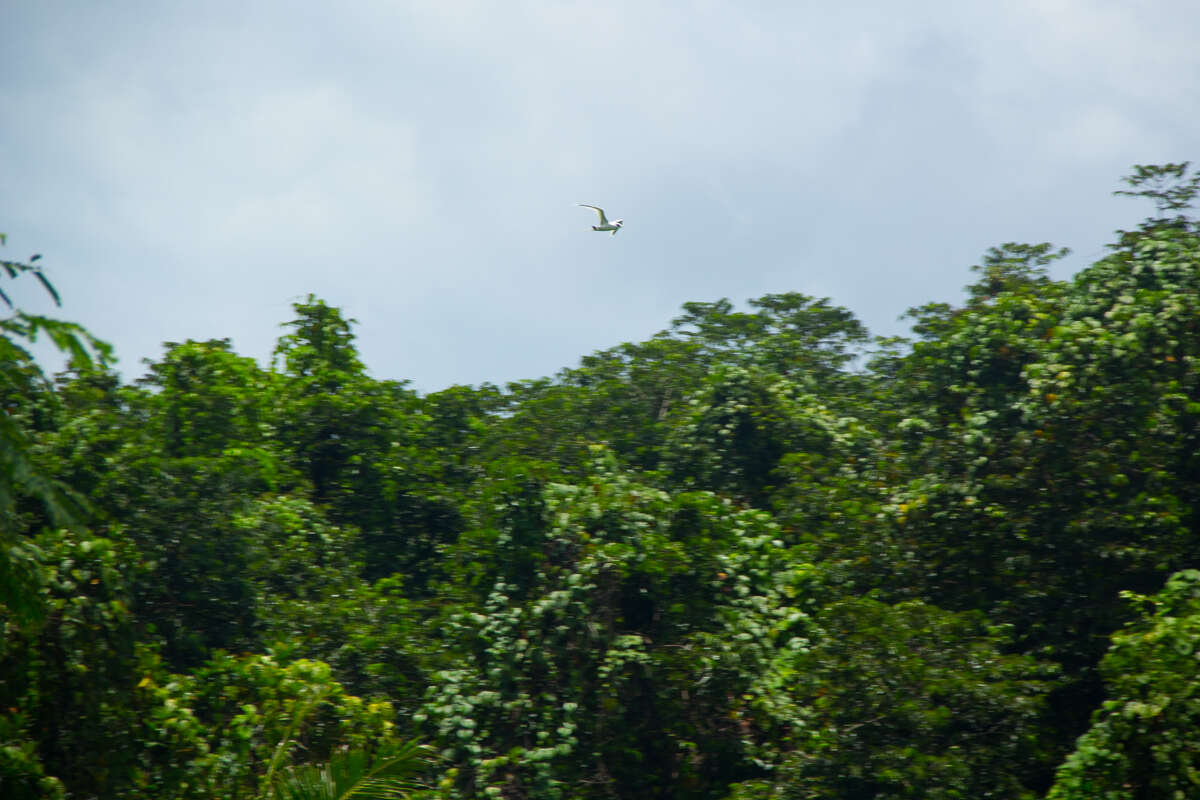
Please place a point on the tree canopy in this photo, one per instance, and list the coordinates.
(758, 555)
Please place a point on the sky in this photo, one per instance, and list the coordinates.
(190, 170)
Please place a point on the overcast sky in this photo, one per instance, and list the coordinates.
(189, 170)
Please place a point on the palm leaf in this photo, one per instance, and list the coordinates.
(301, 708)
(15, 268)
(42, 278)
(66, 507)
(354, 774)
(71, 338)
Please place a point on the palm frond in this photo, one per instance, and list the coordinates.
(15, 268)
(388, 777)
(354, 774)
(300, 711)
(306, 782)
(66, 507)
(49, 288)
(71, 338)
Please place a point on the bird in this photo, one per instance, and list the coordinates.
(605, 225)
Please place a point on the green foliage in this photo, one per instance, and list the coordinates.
(223, 730)
(294, 554)
(206, 400)
(1053, 450)
(736, 431)
(456, 423)
(627, 396)
(353, 774)
(794, 335)
(324, 415)
(1168, 185)
(307, 594)
(22, 384)
(627, 660)
(22, 773)
(355, 440)
(727, 561)
(198, 592)
(1144, 739)
(65, 683)
(912, 701)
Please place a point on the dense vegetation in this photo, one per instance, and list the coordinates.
(759, 555)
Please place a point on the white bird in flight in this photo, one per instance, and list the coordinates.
(605, 225)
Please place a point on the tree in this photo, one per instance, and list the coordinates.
(1168, 185)
(67, 683)
(722, 562)
(1050, 442)
(738, 428)
(205, 399)
(254, 716)
(794, 335)
(328, 411)
(180, 513)
(629, 396)
(20, 380)
(355, 440)
(1143, 741)
(628, 657)
(910, 701)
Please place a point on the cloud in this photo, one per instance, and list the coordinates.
(192, 169)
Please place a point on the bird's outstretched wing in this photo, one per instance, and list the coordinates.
(600, 211)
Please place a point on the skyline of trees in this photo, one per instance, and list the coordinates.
(759, 555)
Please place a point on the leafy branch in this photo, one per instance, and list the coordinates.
(1168, 185)
(352, 773)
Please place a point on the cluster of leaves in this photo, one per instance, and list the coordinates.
(742, 559)
(22, 383)
(1144, 739)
